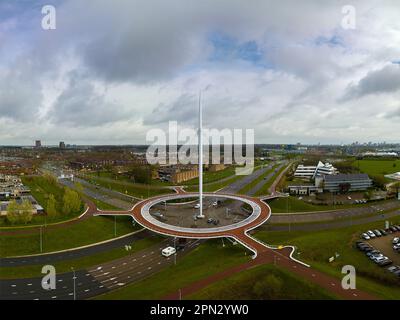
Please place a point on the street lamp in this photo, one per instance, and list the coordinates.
(74, 278)
(115, 226)
(41, 239)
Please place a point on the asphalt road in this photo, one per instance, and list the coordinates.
(241, 183)
(74, 254)
(266, 179)
(105, 195)
(391, 216)
(97, 279)
(353, 212)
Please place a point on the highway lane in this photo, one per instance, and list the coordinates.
(97, 279)
(353, 212)
(75, 254)
(266, 179)
(105, 195)
(298, 226)
(241, 183)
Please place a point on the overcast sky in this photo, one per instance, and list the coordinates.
(112, 70)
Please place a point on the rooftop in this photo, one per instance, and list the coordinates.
(347, 177)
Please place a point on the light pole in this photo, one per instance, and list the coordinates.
(74, 278)
(175, 251)
(41, 239)
(115, 226)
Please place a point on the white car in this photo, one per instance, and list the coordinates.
(396, 240)
(215, 203)
(365, 236)
(168, 251)
(197, 206)
(371, 234)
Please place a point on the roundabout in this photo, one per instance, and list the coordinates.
(238, 232)
(260, 214)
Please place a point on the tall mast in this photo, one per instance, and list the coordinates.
(200, 158)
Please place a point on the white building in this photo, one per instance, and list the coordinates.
(394, 176)
(310, 172)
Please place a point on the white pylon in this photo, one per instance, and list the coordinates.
(200, 215)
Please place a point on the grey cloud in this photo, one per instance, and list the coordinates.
(183, 110)
(385, 80)
(20, 93)
(80, 104)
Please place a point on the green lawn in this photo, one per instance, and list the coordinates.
(214, 186)
(377, 167)
(264, 190)
(252, 184)
(317, 247)
(207, 259)
(41, 190)
(209, 177)
(133, 189)
(291, 204)
(80, 263)
(89, 231)
(265, 282)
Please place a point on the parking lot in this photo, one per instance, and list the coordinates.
(382, 247)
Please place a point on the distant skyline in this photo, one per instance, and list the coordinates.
(112, 70)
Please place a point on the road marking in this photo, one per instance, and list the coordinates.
(111, 279)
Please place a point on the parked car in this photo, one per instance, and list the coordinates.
(197, 206)
(365, 236)
(384, 233)
(385, 262)
(377, 233)
(392, 269)
(396, 240)
(371, 234)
